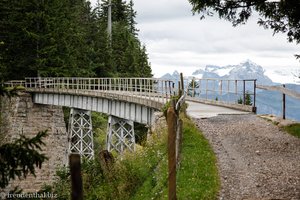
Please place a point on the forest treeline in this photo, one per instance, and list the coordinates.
(69, 38)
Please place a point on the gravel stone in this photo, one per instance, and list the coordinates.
(256, 160)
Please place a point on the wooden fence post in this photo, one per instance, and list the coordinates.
(179, 89)
(172, 120)
(178, 141)
(182, 84)
(283, 103)
(76, 179)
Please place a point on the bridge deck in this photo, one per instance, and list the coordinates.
(201, 110)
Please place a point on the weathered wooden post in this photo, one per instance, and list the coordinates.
(179, 91)
(178, 140)
(76, 179)
(172, 126)
(174, 140)
(182, 84)
(173, 86)
(283, 103)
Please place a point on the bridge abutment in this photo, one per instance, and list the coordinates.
(20, 116)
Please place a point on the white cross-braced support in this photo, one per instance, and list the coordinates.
(120, 135)
(80, 133)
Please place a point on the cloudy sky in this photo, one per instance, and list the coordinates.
(177, 40)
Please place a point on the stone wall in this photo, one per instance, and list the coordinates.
(20, 116)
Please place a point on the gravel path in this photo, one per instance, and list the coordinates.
(256, 160)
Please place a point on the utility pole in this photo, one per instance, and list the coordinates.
(109, 29)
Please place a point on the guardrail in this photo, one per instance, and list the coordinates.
(220, 91)
(284, 91)
(281, 89)
(14, 83)
(152, 88)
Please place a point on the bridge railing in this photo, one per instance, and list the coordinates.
(221, 91)
(15, 83)
(150, 88)
(285, 91)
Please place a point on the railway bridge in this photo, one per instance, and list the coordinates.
(125, 101)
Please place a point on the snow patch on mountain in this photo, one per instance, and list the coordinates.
(220, 71)
(224, 72)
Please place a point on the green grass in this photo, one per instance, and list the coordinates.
(293, 129)
(154, 185)
(144, 174)
(198, 176)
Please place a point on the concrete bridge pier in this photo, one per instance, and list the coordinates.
(120, 135)
(80, 133)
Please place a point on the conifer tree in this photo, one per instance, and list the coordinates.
(131, 18)
(18, 159)
(69, 38)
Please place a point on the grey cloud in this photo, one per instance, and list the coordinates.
(152, 11)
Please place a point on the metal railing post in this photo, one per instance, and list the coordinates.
(244, 92)
(283, 103)
(254, 97)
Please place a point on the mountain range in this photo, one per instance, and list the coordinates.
(268, 102)
(244, 70)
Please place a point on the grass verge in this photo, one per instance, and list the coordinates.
(293, 129)
(198, 176)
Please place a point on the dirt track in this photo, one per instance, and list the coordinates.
(255, 159)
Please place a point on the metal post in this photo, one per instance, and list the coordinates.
(199, 88)
(236, 87)
(254, 97)
(170, 89)
(206, 88)
(244, 92)
(283, 103)
(214, 90)
(221, 89)
(166, 90)
(228, 90)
